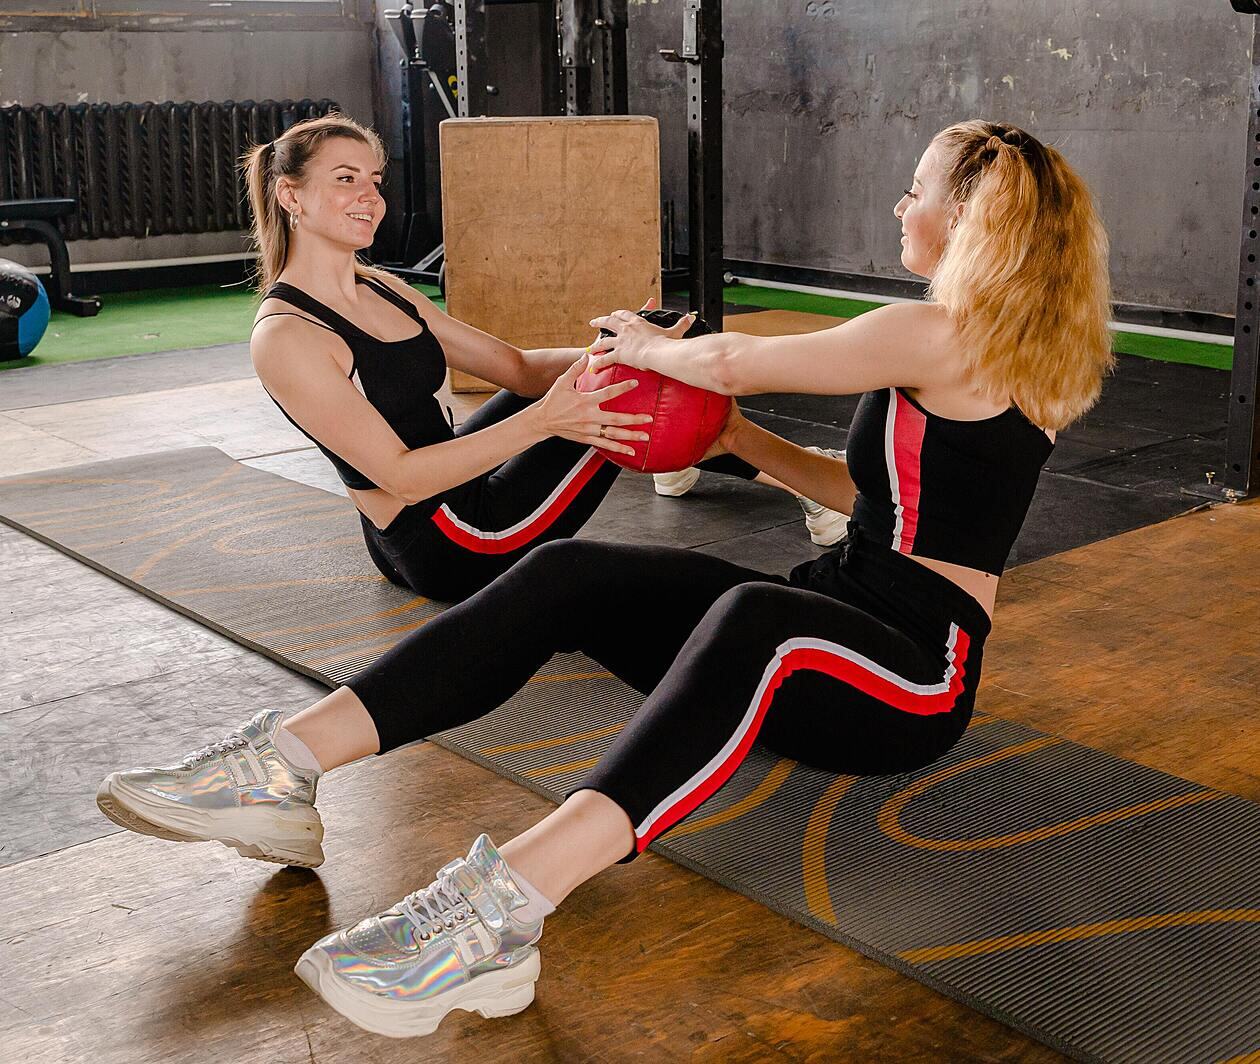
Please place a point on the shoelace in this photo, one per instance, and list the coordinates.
(438, 903)
(233, 742)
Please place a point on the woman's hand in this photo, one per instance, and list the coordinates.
(574, 415)
(726, 439)
(633, 338)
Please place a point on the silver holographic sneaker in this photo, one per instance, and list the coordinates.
(239, 791)
(452, 945)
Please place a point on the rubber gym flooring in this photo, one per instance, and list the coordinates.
(124, 948)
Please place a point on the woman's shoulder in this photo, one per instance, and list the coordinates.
(922, 338)
(402, 288)
(915, 317)
(282, 336)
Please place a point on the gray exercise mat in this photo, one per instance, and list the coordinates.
(1107, 909)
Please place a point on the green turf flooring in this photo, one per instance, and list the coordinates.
(163, 319)
(173, 319)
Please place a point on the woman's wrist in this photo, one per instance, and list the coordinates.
(734, 435)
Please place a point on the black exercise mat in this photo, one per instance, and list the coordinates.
(1109, 910)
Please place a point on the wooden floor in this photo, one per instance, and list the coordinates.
(133, 950)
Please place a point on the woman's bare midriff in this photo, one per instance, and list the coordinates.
(377, 505)
(980, 586)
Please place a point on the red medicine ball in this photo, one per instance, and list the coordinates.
(686, 419)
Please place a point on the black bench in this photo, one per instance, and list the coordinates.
(38, 216)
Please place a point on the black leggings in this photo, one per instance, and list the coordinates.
(878, 675)
(454, 544)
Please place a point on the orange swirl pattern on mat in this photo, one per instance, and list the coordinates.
(345, 641)
(1247, 1058)
(275, 585)
(27, 515)
(814, 850)
(547, 744)
(889, 818)
(344, 622)
(143, 570)
(759, 795)
(814, 845)
(163, 505)
(560, 770)
(242, 510)
(1028, 939)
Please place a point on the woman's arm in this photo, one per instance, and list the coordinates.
(816, 476)
(896, 345)
(312, 388)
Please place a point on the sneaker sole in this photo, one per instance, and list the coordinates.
(495, 994)
(262, 834)
(680, 488)
(828, 538)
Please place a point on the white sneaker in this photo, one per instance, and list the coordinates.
(672, 485)
(826, 526)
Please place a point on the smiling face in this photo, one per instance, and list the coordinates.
(340, 199)
(925, 214)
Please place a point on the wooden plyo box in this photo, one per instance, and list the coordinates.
(548, 222)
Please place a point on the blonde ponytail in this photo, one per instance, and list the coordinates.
(1024, 274)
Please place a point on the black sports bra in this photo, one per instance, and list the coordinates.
(398, 377)
(956, 491)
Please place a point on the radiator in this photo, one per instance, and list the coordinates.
(141, 169)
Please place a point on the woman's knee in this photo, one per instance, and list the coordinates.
(751, 602)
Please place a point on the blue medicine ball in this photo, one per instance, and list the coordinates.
(24, 311)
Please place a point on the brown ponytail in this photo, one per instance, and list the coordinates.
(287, 156)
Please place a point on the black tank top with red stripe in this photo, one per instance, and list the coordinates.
(398, 377)
(954, 491)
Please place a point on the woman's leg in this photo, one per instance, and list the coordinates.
(630, 607)
(451, 547)
(814, 678)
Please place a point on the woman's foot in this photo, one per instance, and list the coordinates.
(672, 485)
(240, 791)
(826, 527)
(453, 945)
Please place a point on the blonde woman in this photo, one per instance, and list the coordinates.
(353, 357)
(866, 660)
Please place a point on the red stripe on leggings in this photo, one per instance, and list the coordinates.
(529, 532)
(833, 665)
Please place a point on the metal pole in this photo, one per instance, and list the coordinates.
(702, 35)
(549, 34)
(577, 41)
(612, 25)
(1242, 460)
(470, 57)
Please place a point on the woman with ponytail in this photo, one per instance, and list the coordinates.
(864, 661)
(353, 357)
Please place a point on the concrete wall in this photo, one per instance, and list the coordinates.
(110, 65)
(829, 104)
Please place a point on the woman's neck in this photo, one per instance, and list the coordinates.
(330, 278)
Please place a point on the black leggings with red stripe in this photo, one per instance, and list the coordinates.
(454, 544)
(863, 662)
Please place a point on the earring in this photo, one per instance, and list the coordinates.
(293, 220)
